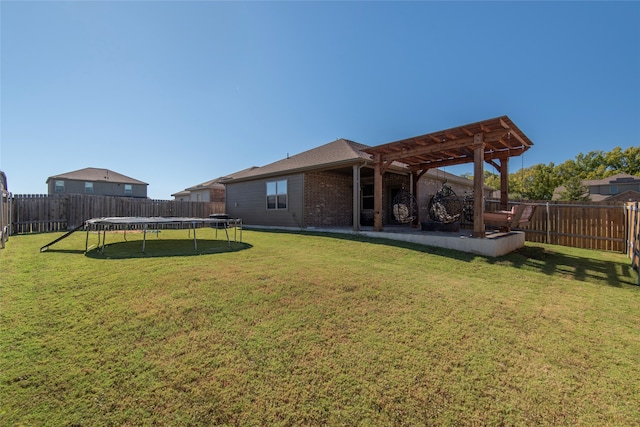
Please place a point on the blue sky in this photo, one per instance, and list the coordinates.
(177, 93)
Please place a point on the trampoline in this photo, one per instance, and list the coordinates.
(154, 224)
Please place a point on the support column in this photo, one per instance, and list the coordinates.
(356, 198)
(377, 195)
(504, 184)
(414, 192)
(478, 185)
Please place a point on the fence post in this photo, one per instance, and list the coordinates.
(548, 224)
(634, 238)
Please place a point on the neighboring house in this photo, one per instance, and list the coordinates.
(100, 182)
(210, 191)
(323, 187)
(616, 188)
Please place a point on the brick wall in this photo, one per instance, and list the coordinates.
(217, 195)
(328, 200)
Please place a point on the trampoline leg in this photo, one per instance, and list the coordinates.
(104, 238)
(144, 237)
(195, 242)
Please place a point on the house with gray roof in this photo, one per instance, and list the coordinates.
(621, 187)
(328, 186)
(96, 181)
(208, 191)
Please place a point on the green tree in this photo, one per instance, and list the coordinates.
(538, 182)
(492, 180)
(534, 183)
(574, 190)
(627, 161)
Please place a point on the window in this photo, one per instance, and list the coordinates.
(128, 190)
(367, 197)
(88, 187)
(277, 194)
(613, 189)
(59, 187)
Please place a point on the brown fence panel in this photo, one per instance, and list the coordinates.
(38, 214)
(44, 213)
(633, 243)
(580, 225)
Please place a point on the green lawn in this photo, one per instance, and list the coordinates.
(304, 329)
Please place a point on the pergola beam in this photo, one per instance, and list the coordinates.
(439, 147)
(488, 156)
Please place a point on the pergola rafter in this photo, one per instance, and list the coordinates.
(492, 141)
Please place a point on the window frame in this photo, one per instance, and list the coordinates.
(58, 186)
(88, 187)
(367, 197)
(277, 198)
(128, 190)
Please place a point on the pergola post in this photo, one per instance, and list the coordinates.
(478, 185)
(415, 179)
(504, 184)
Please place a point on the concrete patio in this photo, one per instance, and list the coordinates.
(495, 243)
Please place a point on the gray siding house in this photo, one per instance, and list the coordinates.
(619, 187)
(95, 181)
(328, 186)
(209, 191)
(616, 188)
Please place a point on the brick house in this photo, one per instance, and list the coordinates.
(96, 181)
(323, 187)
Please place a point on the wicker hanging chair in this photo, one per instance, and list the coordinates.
(405, 207)
(445, 206)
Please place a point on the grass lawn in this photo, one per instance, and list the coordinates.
(306, 329)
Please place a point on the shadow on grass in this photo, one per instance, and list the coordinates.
(165, 248)
(563, 262)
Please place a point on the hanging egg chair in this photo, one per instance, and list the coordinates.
(405, 207)
(445, 206)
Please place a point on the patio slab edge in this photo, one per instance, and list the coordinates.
(495, 244)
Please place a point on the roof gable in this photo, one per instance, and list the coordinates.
(97, 175)
(213, 183)
(619, 178)
(336, 153)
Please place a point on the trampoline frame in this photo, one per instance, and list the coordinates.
(125, 223)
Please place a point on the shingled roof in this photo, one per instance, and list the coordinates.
(340, 152)
(97, 175)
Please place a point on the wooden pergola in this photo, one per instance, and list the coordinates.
(492, 141)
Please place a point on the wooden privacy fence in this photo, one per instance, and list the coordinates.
(5, 210)
(588, 226)
(633, 249)
(43, 213)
